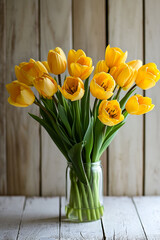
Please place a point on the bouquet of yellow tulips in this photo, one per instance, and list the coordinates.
(81, 132)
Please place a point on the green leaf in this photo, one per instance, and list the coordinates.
(64, 119)
(98, 139)
(85, 107)
(75, 155)
(125, 98)
(88, 139)
(57, 140)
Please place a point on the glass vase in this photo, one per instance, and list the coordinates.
(84, 202)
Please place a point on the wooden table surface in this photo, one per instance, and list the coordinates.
(44, 218)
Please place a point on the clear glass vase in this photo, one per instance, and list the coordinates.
(84, 202)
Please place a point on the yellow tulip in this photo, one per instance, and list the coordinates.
(57, 61)
(79, 65)
(27, 72)
(137, 105)
(73, 56)
(147, 76)
(45, 63)
(124, 75)
(46, 85)
(73, 88)
(136, 64)
(102, 85)
(110, 112)
(114, 56)
(20, 94)
(101, 67)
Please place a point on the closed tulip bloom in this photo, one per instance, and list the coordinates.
(114, 56)
(20, 94)
(101, 67)
(110, 112)
(124, 75)
(27, 72)
(73, 56)
(79, 65)
(147, 76)
(137, 105)
(136, 64)
(102, 85)
(46, 85)
(45, 63)
(73, 88)
(57, 61)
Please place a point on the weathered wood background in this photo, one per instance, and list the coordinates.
(30, 164)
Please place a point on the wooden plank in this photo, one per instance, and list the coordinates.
(3, 169)
(89, 34)
(126, 151)
(40, 219)
(152, 153)
(120, 219)
(73, 231)
(22, 131)
(11, 209)
(53, 35)
(149, 213)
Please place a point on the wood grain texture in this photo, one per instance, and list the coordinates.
(11, 209)
(56, 30)
(120, 219)
(152, 36)
(22, 131)
(75, 231)
(89, 34)
(3, 161)
(40, 219)
(149, 212)
(126, 150)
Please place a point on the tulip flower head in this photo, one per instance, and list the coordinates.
(46, 85)
(114, 56)
(20, 94)
(101, 67)
(45, 63)
(27, 72)
(102, 85)
(73, 88)
(110, 112)
(57, 61)
(124, 75)
(147, 76)
(137, 105)
(79, 65)
(136, 64)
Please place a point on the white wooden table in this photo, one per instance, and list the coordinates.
(44, 218)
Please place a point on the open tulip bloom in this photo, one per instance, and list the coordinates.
(81, 132)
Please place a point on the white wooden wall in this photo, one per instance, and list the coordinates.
(30, 164)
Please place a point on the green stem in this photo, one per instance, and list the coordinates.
(78, 119)
(85, 201)
(94, 107)
(59, 79)
(118, 92)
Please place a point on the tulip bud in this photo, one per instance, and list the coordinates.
(79, 65)
(46, 85)
(102, 85)
(20, 94)
(110, 112)
(124, 75)
(57, 61)
(45, 63)
(137, 105)
(147, 76)
(136, 64)
(114, 56)
(73, 88)
(27, 72)
(101, 67)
